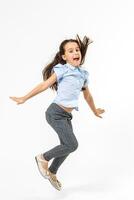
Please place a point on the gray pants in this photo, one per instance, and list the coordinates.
(60, 121)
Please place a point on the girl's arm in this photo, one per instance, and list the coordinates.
(89, 99)
(38, 89)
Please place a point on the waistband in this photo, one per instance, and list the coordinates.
(55, 107)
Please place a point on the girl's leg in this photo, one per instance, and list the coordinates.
(57, 163)
(69, 144)
(60, 121)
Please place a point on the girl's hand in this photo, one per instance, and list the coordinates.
(99, 111)
(19, 100)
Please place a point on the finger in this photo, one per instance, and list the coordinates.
(99, 116)
(13, 98)
(101, 109)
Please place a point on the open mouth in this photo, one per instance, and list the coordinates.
(76, 59)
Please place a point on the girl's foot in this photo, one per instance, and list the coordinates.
(54, 181)
(42, 165)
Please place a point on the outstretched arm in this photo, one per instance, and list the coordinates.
(38, 89)
(89, 99)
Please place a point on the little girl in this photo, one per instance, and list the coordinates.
(65, 75)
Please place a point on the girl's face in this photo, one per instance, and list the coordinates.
(72, 54)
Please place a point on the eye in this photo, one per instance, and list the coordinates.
(71, 51)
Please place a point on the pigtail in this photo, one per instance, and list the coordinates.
(83, 44)
(48, 70)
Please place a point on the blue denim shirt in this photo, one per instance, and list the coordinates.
(70, 81)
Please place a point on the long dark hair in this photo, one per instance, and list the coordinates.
(83, 45)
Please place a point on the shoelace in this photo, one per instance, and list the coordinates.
(54, 178)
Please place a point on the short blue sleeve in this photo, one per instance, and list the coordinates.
(86, 82)
(59, 69)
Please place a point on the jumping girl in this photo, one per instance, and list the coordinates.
(67, 77)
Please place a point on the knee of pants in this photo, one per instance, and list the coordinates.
(73, 147)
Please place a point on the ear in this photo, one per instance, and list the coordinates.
(63, 57)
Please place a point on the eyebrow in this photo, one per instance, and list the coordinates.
(72, 48)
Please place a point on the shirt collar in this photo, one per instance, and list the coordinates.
(71, 66)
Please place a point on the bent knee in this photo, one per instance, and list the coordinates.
(73, 147)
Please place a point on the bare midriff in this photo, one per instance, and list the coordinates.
(66, 109)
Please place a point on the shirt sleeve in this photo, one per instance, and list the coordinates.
(59, 69)
(86, 82)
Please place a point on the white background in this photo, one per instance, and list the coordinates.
(30, 34)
